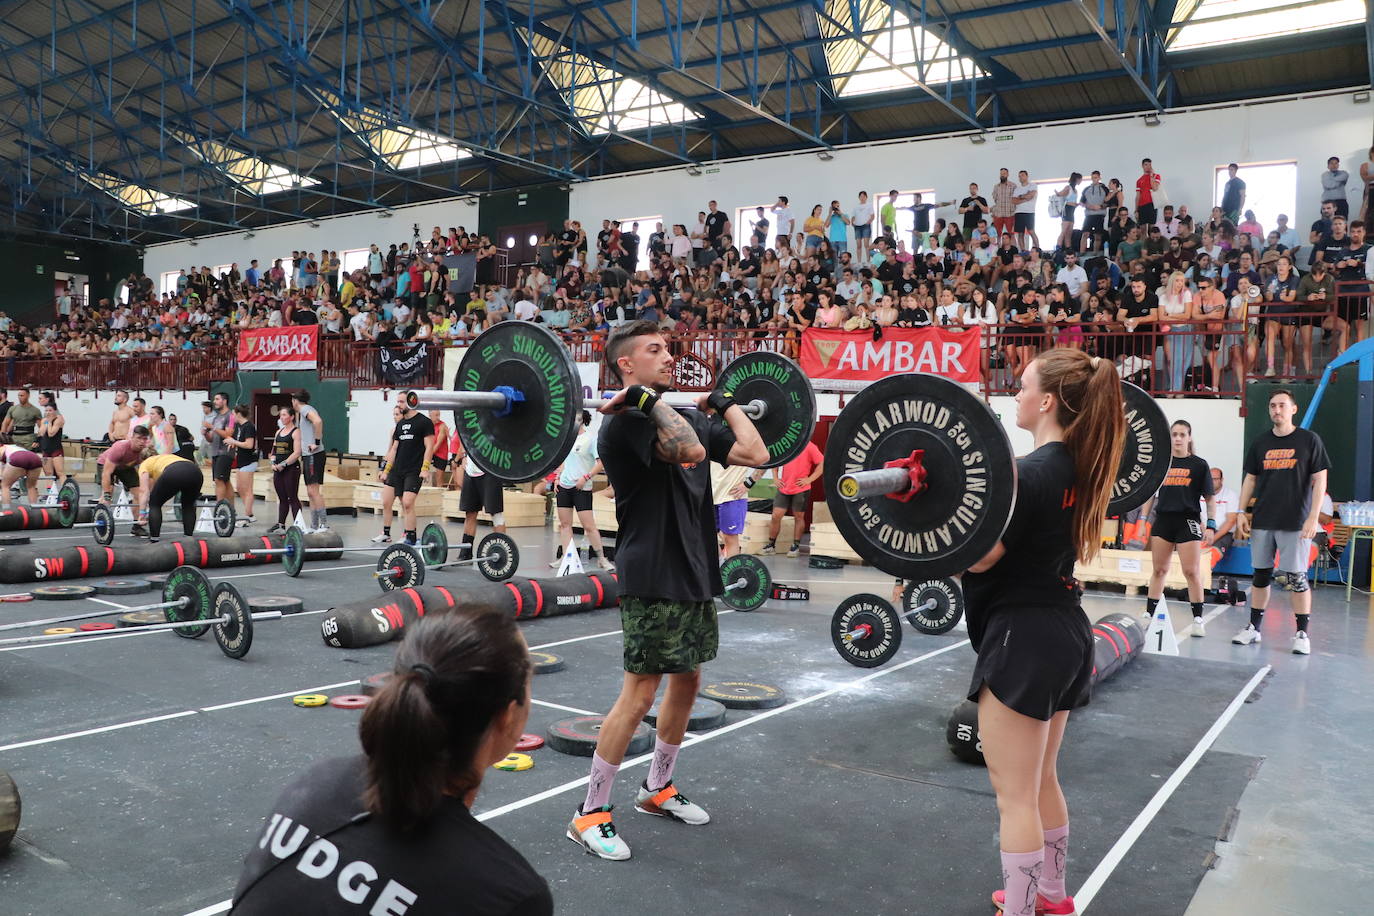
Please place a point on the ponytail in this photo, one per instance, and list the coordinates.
(1093, 416)
(453, 676)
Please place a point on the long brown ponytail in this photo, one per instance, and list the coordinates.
(1089, 408)
(453, 675)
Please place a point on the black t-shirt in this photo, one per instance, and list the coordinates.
(656, 243)
(1037, 569)
(817, 277)
(1283, 467)
(920, 217)
(1360, 254)
(603, 238)
(888, 272)
(766, 308)
(972, 217)
(409, 436)
(1332, 249)
(243, 432)
(666, 516)
(1139, 308)
(1188, 481)
(455, 864)
(304, 316)
(905, 286)
(715, 225)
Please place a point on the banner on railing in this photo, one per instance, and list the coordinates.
(849, 360)
(403, 365)
(296, 347)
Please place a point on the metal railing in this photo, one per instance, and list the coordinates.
(161, 371)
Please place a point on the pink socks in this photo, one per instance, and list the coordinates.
(1056, 861)
(661, 769)
(599, 785)
(1020, 876)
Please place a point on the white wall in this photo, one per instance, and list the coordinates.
(336, 233)
(1186, 148)
(87, 413)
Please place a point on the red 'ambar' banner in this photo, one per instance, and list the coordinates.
(295, 347)
(849, 360)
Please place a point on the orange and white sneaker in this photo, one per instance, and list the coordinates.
(1043, 907)
(668, 802)
(595, 832)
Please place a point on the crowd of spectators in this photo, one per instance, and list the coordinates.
(1186, 296)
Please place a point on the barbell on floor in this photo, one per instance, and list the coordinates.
(402, 566)
(103, 521)
(746, 582)
(867, 631)
(192, 607)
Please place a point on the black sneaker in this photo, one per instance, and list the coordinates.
(138, 531)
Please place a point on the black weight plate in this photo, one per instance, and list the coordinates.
(744, 695)
(225, 518)
(971, 476)
(373, 683)
(68, 503)
(284, 604)
(62, 592)
(706, 715)
(434, 544)
(779, 382)
(10, 810)
(400, 566)
(103, 525)
(961, 733)
(293, 560)
(500, 557)
(537, 434)
(1145, 456)
(190, 583)
(13, 540)
(944, 616)
(757, 584)
(235, 635)
(122, 586)
(883, 636)
(140, 618)
(547, 662)
(158, 580)
(577, 736)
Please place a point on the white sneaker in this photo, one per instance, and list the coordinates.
(1198, 629)
(595, 832)
(1247, 636)
(668, 802)
(378, 539)
(605, 563)
(1301, 644)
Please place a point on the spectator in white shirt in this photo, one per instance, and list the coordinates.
(848, 287)
(1224, 501)
(525, 309)
(1073, 276)
(359, 323)
(1168, 223)
(1288, 236)
(782, 217)
(862, 221)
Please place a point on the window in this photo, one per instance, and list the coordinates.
(871, 47)
(353, 259)
(743, 225)
(646, 229)
(220, 270)
(140, 199)
(168, 286)
(906, 219)
(1224, 22)
(1271, 188)
(253, 175)
(400, 147)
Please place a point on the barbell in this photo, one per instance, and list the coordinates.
(921, 480)
(192, 607)
(402, 566)
(103, 521)
(746, 582)
(866, 629)
(517, 394)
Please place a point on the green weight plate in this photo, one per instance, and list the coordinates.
(434, 544)
(499, 556)
(400, 566)
(190, 583)
(225, 518)
(934, 606)
(63, 592)
(746, 581)
(1145, 456)
(786, 392)
(865, 631)
(539, 430)
(293, 560)
(68, 503)
(103, 525)
(235, 635)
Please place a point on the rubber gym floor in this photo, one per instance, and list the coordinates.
(1227, 780)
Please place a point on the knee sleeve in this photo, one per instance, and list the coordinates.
(498, 519)
(1297, 582)
(1262, 577)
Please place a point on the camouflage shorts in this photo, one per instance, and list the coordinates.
(665, 636)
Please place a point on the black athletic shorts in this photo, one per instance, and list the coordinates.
(481, 493)
(1095, 220)
(1036, 660)
(1024, 222)
(312, 468)
(1176, 527)
(403, 481)
(126, 475)
(440, 464)
(573, 498)
(222, 467)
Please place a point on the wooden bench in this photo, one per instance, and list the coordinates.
(1132, 568)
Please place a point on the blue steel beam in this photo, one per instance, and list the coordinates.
(1116, 46)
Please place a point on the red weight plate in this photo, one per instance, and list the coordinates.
(91, 627)
(21, 596)
(350, 701)
(529, 742)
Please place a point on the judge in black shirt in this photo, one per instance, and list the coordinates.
(1177, 526)
(392, 831)
(406, 465)
(658, 462)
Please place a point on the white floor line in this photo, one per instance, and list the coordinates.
(119, 726)
(572, 709)
(223, 905)
(1090, 888)
(277, 696)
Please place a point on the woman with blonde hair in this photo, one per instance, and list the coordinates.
(1176, 316)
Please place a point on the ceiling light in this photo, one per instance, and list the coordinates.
(1152, 119)
(386, 214)
(194, 243)
(694, 169)
(978, 138)
(1360, 98)
(314, 224)
(825, 155)
(248, 235)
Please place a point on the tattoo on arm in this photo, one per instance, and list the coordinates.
(675, 434)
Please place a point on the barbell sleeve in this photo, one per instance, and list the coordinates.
(151, 628)
(877, 482)
(756, 409)
(449, 400)
(68, 618)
